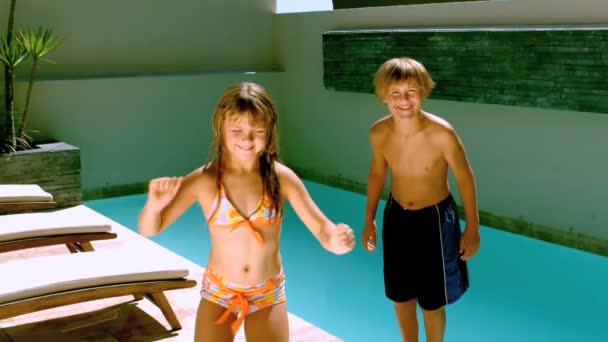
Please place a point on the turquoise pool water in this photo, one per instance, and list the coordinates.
(521, 289)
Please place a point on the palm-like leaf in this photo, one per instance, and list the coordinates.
(12, 52)
(39, 42)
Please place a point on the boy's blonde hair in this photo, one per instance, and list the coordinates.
(400, 70)
(247, 98)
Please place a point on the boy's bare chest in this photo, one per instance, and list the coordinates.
(412, 157)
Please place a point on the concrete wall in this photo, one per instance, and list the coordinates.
(542, 166)
(151, 36)
(136, 81)
(132, 129)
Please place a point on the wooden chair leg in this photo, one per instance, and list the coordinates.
(159, 299)
(72, 247)
(86, 246)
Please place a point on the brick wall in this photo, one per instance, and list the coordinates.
(563, 69)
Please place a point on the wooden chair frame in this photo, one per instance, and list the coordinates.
(74, 242)
(153, 290)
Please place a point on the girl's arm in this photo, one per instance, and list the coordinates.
(169, 198)
(338, 239)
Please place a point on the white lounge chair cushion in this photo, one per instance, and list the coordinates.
(73, 220)
(14, 193)
(38, 276)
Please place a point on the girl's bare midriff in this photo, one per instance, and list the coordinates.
(238, 257)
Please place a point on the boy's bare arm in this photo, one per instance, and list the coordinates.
(377, 173)
(456, 158)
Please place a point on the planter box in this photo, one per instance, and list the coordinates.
(55, 167)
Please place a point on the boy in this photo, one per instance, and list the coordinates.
(424, 252)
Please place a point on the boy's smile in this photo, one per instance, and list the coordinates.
(404, 99)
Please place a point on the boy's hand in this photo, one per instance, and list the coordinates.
(368, 237)
(342, 239)
(162, 190)
(469, 242)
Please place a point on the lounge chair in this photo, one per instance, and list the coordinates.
(39, 283)
(21, 198)
(75, 227)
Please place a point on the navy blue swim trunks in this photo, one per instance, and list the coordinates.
(421, 254)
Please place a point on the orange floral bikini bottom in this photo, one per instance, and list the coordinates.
(242, 300)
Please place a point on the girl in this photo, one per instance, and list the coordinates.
(241, 192)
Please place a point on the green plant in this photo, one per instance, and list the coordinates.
(14, 50)
(38, 43)
(12, 54)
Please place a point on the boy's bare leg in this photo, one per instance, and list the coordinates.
(407, 319)
(434, 324)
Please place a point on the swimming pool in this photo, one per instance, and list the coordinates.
(521, 289)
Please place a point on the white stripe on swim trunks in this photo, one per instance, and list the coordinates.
(445, 285)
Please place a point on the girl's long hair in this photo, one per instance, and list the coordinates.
(252, 99)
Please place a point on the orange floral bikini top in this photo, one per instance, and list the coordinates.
(225, 215)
